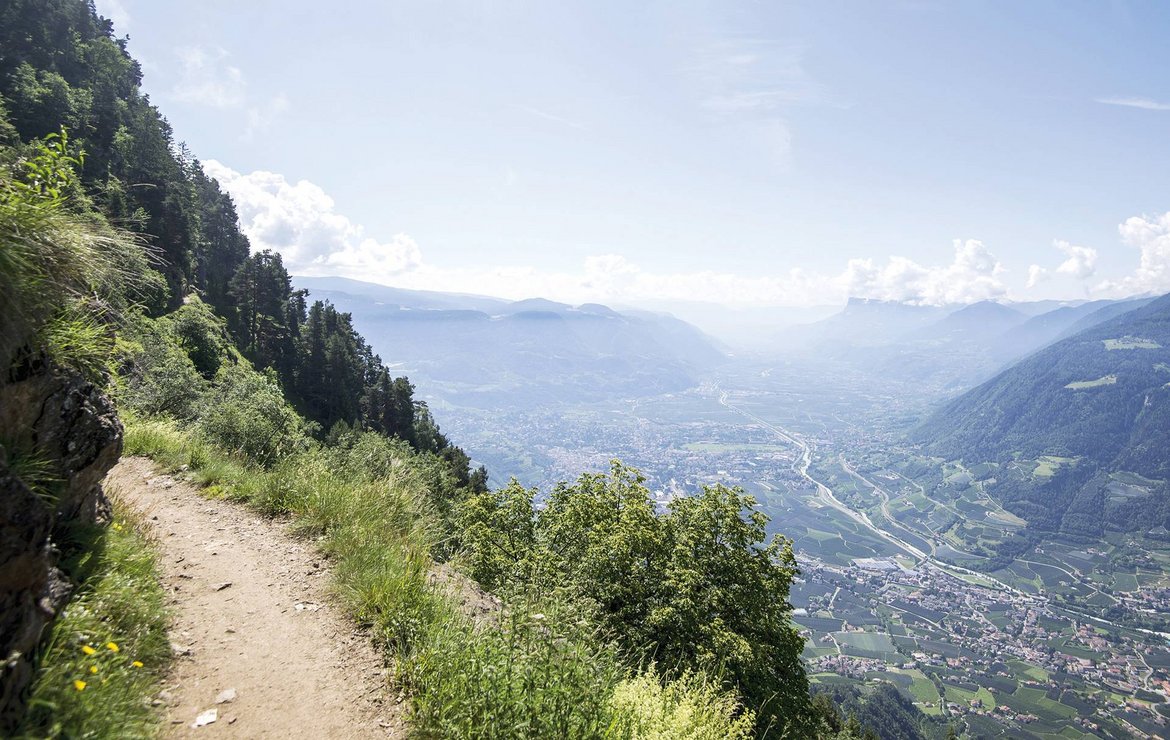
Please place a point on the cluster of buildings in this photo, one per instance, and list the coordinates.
(976, 633)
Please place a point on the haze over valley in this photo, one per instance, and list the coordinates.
(919, 457)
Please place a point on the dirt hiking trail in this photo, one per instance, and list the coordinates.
(257, 637)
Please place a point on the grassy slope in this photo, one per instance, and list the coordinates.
(109, 649)
(541, 671)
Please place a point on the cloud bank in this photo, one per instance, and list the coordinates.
(299, 220)
(973, 275)
(1151, 236)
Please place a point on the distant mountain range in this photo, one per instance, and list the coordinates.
(487, 352)
(945, 348)
(1093, 408)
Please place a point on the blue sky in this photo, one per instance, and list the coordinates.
(786, 153)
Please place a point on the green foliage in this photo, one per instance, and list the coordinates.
(64, 274)
(880, 711)
(245, 412)
(266, 320)
(202, 335)
(166, 364)
(76, 338)
(688, 708)
(499, 533)
(33, 469)
(542, 672)
(48, 172)
(695, 587)
(49, 256)
(157, 375)
(120, 602)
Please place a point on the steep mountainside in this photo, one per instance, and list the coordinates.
(479, 351)
(1098, 403)
(1045, 328)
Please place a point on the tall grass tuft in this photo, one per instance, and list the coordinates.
(54, 258)
(541, 672)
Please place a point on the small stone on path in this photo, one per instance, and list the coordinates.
(206, 718)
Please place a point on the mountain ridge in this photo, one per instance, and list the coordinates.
(1099, 399)
(528, 352)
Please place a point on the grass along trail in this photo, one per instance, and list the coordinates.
(257, 637)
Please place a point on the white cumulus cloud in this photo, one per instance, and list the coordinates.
(1036, 275)
(1081, 262)
(299, 221)
(1151, 236)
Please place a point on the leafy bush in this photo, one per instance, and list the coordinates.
(689, 708)
(201, 334)
(246, 414)
(697, 587)
(157, 376)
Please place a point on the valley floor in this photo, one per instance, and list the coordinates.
(253, 624)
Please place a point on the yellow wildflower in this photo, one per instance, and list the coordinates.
(93, 669)
(137, 664)
(113, 646)
(79, 685)
(87, 650)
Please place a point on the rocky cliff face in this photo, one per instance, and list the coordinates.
(64, 424)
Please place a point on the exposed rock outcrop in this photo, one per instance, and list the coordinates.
(69, 428)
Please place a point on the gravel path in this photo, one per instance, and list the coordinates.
(258, 639)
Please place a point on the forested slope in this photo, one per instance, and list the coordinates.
(61, 67)
(1101, 399)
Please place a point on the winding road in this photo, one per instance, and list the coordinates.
(825, 496)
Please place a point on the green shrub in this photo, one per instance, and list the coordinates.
(691, 707)
(201, 334)
(699, 587)
(157, 376)
(541, 673)
(246, 414)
